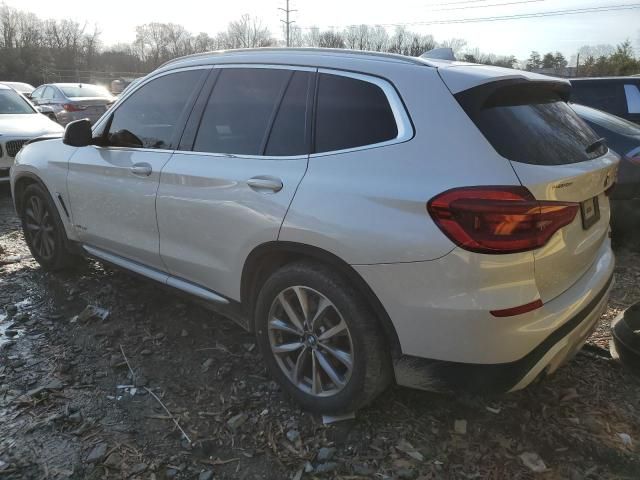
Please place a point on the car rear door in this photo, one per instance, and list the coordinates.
(558, 158)
(244, 153)
(112, 185)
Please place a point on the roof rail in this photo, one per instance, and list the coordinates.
(339, 51)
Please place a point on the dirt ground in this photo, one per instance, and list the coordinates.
(70, 407)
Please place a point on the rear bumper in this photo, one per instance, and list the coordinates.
(555, 350)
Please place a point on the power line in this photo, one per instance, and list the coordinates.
(487, 6)
(552, 13)
(287, 22)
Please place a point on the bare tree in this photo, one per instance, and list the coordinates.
(248, 32)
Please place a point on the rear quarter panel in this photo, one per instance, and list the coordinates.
(369, 206)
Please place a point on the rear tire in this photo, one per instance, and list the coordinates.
(320, 340)
(43, 230)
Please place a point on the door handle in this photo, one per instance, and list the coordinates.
(265, 183)
(142, 169)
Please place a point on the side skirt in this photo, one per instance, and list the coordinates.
(203, 296)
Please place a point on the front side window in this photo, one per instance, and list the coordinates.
(241, 109)
(150, 116)
(48, 93)
(37, 93)
(351, 113)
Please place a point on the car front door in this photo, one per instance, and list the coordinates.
(112, 185)
(229, 188)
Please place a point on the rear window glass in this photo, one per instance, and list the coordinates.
(85, 91)
(534, 126)
(351, 113)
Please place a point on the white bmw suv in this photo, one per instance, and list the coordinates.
(371, 217)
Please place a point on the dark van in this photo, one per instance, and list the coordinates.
(619, 96)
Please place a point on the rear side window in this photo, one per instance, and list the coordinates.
(241, 108)
(607, 96)
(150, 117)
(351, 113)
(531, 124)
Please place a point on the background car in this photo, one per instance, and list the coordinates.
(619, 96)
(19, 122)
(20, 87)
(623, 137)
(73, 101)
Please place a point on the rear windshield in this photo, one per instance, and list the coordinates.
(12, 103)
(531, 124)
(85, 91)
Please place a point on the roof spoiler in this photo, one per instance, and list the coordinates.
(440, 54)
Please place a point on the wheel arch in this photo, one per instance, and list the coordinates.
(268, 257)
(23, 180)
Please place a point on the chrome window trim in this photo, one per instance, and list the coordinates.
(140, 84)
(403, 122)
(265, 66)
(304, 156)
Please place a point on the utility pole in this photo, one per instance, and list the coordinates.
(287, 22)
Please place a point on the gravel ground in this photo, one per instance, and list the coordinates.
(71, 407)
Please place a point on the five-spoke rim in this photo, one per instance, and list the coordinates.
(39, 227)
(311, 341)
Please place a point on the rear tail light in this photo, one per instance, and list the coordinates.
(498, 219)
(70, 107)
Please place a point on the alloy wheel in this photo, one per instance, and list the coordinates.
(39, 227)
(310, 341)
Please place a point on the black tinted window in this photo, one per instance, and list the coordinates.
(607, 96)
(149, 117)
(290, 126)
(533, 125)
(240, 110)
(351, 113)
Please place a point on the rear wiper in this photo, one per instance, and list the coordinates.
(601, 142)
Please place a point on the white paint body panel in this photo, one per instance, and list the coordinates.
(210, 219)
(112, 208)
(441, 308)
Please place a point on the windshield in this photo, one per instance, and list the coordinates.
(20, 87)
(12, 103)
(606, 120)
(84, 90)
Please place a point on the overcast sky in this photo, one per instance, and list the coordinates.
(117, 19)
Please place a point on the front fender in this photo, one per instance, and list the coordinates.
(45, 162)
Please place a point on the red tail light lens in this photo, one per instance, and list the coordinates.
(70, 107)
(498, 219)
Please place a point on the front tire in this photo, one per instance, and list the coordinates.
(44, 231)
(320, 339)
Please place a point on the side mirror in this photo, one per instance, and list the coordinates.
(78, 133)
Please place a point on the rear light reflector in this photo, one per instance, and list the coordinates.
(510, 312)
(70, 107)
(498, 219)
